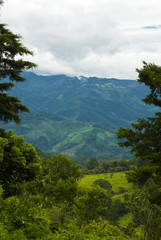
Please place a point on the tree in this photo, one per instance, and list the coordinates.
(19, 163)
(91, 203)
(103, 184)
(60, 179)
(145, 141)
(11, 67)
(145, 205)
(116, 209)
(92, 163)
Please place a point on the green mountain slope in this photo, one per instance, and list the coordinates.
(108, 101)
(55, 134)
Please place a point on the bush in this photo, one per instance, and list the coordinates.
(103, 184)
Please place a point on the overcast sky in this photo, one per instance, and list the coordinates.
(103, 38)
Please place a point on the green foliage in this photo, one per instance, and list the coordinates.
(145, 140)
(19, 163)
(11, 66)
(92, 163)
(145, 205)
(95, 230)
(141, 174)
(116, 210)
(17, 216)
(3, 232)
(90, 203)
(52, 207)
(58, 211)
(60, 178)
(103, 184)
(150, 75)
(63, 167)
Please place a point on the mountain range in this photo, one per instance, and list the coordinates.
(79, 115)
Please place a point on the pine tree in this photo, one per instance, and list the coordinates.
(145, 137)
(145, 141)
(11, 67)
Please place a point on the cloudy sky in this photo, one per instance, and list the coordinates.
(104, 38)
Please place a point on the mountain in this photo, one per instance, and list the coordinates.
(108, 101)
(79, 116)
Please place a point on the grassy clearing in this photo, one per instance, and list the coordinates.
(118, 180)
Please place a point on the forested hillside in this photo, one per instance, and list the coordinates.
(79, 116)
(54, 134)
(108, 101)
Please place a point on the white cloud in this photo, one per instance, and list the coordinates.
(88, 37)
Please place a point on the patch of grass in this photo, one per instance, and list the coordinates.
(118, 180)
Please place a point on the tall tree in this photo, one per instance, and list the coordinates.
(145, 141)
(11, 67)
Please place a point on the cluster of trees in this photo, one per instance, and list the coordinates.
(40, 198)
(95, 166)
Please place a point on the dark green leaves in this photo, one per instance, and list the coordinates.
(11, 66)
(145, 138)
(19, 163)
(150, 75)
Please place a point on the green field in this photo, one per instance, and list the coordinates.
(117, 181)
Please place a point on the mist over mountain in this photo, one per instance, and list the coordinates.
(79, 115)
